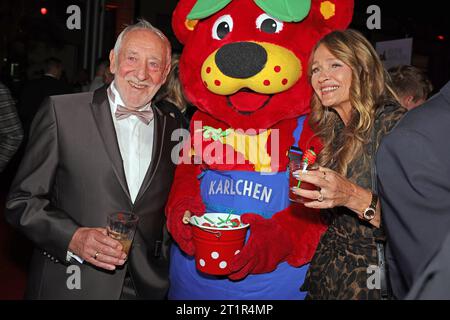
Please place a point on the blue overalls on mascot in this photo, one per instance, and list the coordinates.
(244, 66)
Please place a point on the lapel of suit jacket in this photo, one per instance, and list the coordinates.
(159, 132)
(102, 114)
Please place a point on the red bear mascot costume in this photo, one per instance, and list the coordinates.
(244, 66)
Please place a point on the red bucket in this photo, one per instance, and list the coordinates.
(216, 246)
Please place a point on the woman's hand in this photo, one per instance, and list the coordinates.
(334, 190)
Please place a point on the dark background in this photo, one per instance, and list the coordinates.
(28, 37)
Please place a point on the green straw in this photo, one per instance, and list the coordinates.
(209, 220)
(196, 221)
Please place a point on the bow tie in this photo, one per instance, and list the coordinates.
(146, 116)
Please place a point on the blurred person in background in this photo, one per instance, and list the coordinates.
(35, 91)
(411, 85)
(171, 94)
(99, 80)
(11, 133)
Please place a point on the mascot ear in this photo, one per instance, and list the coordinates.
(332, 14)
(181, 25)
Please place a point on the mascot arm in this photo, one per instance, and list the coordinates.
(290, 235)
(185, 193)
(184, 196)
(304, 227)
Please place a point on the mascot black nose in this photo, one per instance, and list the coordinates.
(241, 60)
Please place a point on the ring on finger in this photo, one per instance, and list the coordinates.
(96, 255)
(320, 198)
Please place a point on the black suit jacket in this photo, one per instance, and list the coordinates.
(72, 176)
(413, 164)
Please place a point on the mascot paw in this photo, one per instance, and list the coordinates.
(181, 231)
(267, 246)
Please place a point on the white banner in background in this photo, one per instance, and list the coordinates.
(395, 52)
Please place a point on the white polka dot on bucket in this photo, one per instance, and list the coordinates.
(237, 252)
(222, 265)
(214, 255)
(202, 262)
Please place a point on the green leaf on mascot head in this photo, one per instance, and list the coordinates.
(206, 8)
(286, 10)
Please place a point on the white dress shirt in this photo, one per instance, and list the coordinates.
(135, 140)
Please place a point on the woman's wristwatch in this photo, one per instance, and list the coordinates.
(371, 210)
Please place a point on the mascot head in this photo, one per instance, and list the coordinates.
(245, 61)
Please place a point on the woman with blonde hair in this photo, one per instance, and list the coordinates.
(352, 109)
(171, 95)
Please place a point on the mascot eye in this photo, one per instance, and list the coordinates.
(267, 24)
(222, 27)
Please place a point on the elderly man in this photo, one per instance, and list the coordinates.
(91, 154)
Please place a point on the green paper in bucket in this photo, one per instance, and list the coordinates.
(209, 220)
(217, 242)
(217, 220)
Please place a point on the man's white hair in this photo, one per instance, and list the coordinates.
(141, 24)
